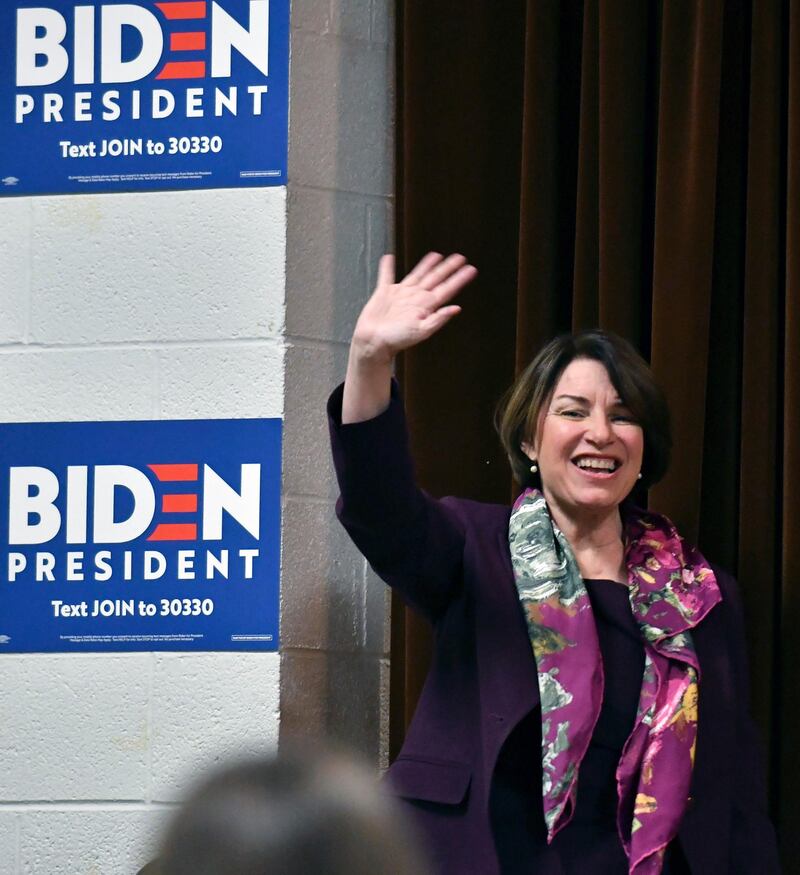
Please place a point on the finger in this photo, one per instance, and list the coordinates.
(442, 271)
(431, 324)
(453, 284)
(423, 266)
(386, 270)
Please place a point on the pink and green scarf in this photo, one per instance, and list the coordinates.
(671, 589)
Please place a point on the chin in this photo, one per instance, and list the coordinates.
(600, 496)
(593, 502)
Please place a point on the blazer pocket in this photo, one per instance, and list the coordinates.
(431, 780)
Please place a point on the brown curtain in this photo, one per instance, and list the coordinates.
(632, 166)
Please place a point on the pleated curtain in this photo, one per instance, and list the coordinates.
(633, 166)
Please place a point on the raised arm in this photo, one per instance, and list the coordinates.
(396, 317)
(413, 541)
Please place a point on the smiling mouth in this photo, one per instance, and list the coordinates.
(597, 467)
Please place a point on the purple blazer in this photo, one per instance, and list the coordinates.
(450, 560)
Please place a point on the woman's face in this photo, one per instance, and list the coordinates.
(588, 447)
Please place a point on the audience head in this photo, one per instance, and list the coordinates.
(296, 813)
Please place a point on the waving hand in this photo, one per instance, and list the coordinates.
(396, 317)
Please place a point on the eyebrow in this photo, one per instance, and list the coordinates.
(618, 402)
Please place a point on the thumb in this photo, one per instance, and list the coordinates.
(386, 270)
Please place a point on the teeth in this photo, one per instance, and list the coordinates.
(600, 464)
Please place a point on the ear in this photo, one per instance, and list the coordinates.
(529, 450)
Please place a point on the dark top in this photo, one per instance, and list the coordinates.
(590, 842)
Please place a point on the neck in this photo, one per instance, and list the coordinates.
(595, 538)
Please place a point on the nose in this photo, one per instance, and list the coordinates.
(599, 432)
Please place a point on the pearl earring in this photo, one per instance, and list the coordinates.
(639, 476)
(534, 468)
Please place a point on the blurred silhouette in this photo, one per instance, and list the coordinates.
(298, 812)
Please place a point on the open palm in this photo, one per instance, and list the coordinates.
(401, 315)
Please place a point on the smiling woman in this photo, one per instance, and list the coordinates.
(641, 398)
(586, 709)
(590, 417)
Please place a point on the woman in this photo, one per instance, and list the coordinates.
(586, 708)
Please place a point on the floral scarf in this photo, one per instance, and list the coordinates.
(671, 589)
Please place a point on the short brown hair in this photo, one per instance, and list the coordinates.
(517, 415)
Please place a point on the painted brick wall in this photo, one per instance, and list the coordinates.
(194, 305)
(145, 306)
(334, 612)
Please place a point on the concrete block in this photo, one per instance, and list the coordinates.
(354, 690)
(208, 708)
(9, 842)
(381, 27)
(311, 375)
(15, 268)
(380, 236)
(74, 728)
(304, 695)
(158, 266)
(326, 286)
(221, 382)
(383, 714)
(351, 18)
(322, 580)
(311, 15)
(333, 696)
(67, 385)
(342, 138)
(89, 841)
(377, 615)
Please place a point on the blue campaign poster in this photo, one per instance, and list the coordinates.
(143, 95)
(140, 535)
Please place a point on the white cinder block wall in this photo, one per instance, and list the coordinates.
(131, 306)
(195, 305)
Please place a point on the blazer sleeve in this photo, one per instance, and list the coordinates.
(754, 845)
(414, 542)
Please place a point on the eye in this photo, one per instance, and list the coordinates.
(625, 418)
(571, 413)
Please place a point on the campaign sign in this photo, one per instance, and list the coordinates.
(139, 535)
(142, 95)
